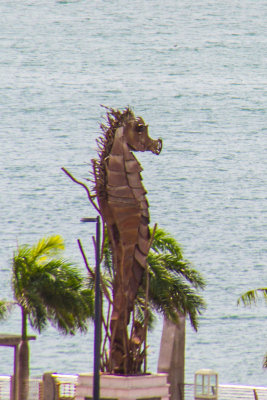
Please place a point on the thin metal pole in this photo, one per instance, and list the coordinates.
(97, 339)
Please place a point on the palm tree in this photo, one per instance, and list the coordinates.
(174, 283)
(46, 288)
(251, 297)
(170, 288)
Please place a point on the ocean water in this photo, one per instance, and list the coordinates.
(196, 72)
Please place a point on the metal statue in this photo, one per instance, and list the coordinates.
(123, 205)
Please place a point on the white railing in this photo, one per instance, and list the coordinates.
(5, 382)
(232, 392)
(242, 392)
(35, 392)
(67, 384)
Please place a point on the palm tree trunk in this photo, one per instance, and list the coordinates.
(24, 360)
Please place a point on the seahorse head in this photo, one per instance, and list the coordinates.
(135, 132)
(137, 137)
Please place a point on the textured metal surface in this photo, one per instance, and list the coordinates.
(122, 202)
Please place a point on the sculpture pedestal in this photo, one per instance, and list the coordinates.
(118, 387)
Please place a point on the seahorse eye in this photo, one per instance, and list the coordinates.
(140, 129)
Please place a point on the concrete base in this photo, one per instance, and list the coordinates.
(117, 387)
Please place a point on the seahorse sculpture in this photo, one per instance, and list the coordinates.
(124, 208)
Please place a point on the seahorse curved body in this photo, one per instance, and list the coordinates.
(125, 210)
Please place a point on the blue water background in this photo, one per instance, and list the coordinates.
(196, 72)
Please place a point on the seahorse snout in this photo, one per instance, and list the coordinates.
(155, 146)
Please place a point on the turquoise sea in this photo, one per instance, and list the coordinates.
(196, 72)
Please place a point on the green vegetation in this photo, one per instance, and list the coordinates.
(172, 288)
(251, 297)
(174, 283)
(47, 288)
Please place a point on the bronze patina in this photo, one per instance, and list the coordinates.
(124, 208)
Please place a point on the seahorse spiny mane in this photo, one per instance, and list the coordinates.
(114, 120)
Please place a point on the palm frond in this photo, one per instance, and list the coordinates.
(171, 291)
(107, 259)
(47, 246)
(5, 308)
(73, 314)
(252, 296)
(163, 242)
(181, 267)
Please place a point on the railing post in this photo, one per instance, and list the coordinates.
(49, 387)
